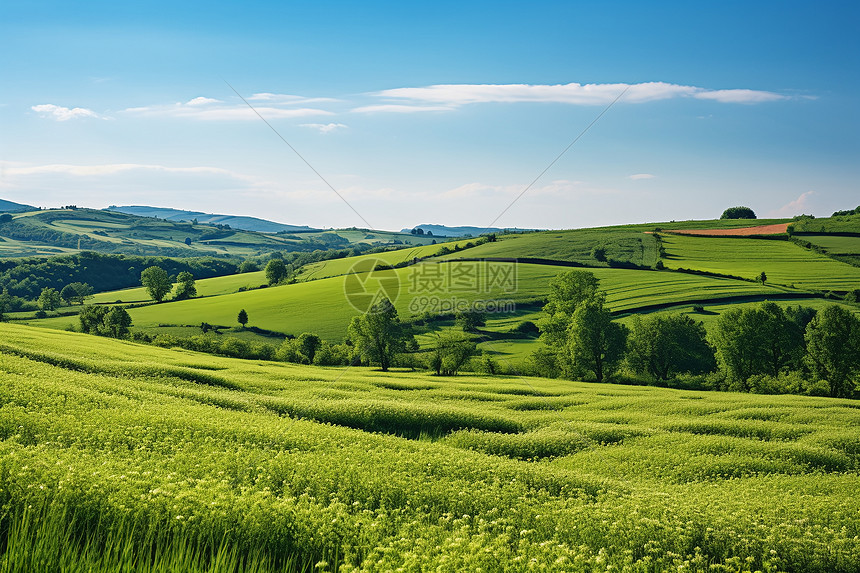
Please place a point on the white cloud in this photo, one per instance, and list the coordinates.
(325, 127)
(400, 108)
(739, 96)
(111, 169)
(202, 101)
(207, 109)
(638, 176)
(448, 96)
(287, 99)
(795, 207)
(61, 113)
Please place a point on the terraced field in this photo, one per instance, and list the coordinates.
(117, 456)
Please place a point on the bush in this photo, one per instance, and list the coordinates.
(738, 213)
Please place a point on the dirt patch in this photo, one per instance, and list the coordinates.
(741, 232)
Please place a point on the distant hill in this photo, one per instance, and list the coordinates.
(445, 231)
(12, 207)
(235, 221)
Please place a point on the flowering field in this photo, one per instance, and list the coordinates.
(118, 457)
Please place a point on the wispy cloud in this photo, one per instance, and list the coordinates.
(638, 176)
(203, 108)
(401, 108)
(288, 99)
(795, 207)
(449, 96)
(113, 169)
(325, 127)
(60, 113)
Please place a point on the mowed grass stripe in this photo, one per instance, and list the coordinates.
(784, 262)
(321, 306)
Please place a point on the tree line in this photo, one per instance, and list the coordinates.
(766, 348)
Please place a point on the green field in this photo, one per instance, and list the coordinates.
(632, 246)
(835, 244)
(322, 307)
(205, 287)
(114, 453)
(54, 231)
(785, 263)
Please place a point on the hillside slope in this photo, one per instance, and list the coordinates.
(235, 221)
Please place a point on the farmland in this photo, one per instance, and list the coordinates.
(132, 453)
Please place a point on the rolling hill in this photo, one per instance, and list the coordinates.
(56, 231)
(234, 221)
(12, 207)
(712, 272)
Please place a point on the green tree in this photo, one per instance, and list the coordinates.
(738, 213)
(378, 334)
(762, 277)
(242, 318)
(248, 267)
(276, 271)
(596, 343)
(470, 320)
(566, 291)
(156, 281)
(451, 352)
(833, 349)
(307, 344)
(49, 299)
(185, 287)
(92, 319)
(664, 346)
(76, 292)
(116, 322)
(760, 340)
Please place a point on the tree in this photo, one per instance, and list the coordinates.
(833, 349)
(759, 340)
(116, 322)
(242, 318)
(92, 319)
(470, 320)
(664, 346)
(307, 344)
(378, 335)
(738, 213)
(595, 342)
(185, 287)
(156, 281)
(276, 271)
(566, 291)
(76, 292)
(762, 277)
(452, 351)
(188, 241)
(248, 267)
(49, 299)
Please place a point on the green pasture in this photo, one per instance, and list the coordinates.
(835, 244)
(839, 224)
(116, 457)
(339, 267)
(785, 263)
(321, 306)
(632, 246)
(214, 286)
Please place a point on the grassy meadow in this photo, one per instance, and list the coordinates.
(116, 456)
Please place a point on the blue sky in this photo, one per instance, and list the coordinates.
(436, 113)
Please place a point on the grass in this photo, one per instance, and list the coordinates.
(214, 286)
(117, 456)
(632, 246)
(835, 244)
(785, 263)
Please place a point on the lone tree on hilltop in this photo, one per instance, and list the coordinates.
(242, 318)
(156, 281)
(738, 213)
